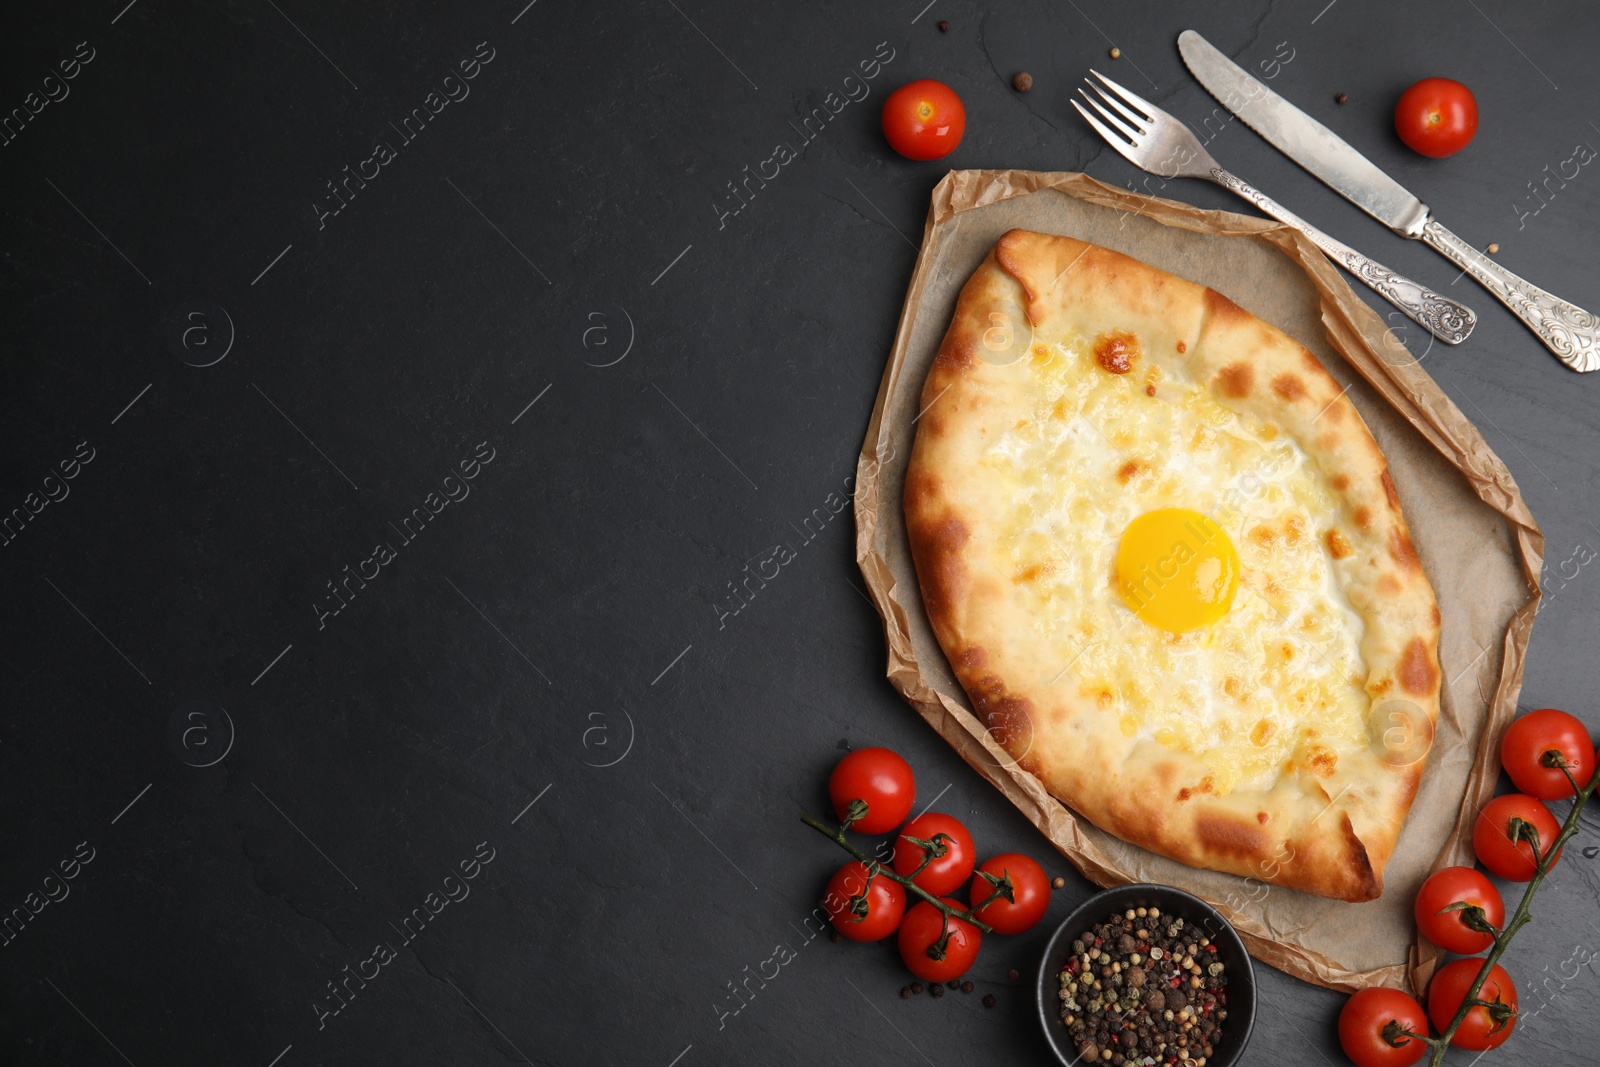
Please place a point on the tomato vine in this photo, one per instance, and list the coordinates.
(1544, 862)
(931, 850)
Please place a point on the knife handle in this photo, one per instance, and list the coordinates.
(1447, 320)
(1572, 333)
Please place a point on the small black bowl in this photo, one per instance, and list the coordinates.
(1195, 913)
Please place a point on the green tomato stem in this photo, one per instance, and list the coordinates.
(988, 900)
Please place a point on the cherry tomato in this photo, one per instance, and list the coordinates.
(1368, 1014)
(1028, 888)
(1491, 836)
(920, 932)
(924, 120)
(1447, 929)
(943, 874)
(1537, 733)
(882, 903)
(879, 777)
(1483, 1028)
(1436, 117)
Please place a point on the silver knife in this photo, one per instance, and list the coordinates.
(1570, 332)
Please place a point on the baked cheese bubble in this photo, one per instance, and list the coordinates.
(1176, 569)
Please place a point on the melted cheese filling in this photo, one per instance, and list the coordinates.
(1277, 685)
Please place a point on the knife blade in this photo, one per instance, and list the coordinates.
(1302, 138)
(1570, 332)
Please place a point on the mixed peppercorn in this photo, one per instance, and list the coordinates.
(1141, 989)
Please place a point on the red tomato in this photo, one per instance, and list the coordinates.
(919, 936)
(924, 120)
(1371, 1024)
(1483, 1028)
(880, 778)
(943, 874)
(860, 910)
(1447, 929)
(1436, 117)
(1491, 836)
(1535, 735)
(1024, 891)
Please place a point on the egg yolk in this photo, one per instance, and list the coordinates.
(1176, 569)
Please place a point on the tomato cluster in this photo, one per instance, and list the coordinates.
(872, 790)
(1548, 755)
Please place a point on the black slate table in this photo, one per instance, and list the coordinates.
(391, 399)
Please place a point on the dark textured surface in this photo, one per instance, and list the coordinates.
(572, 608)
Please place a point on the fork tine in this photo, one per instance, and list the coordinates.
(1127, 151)
(1129, 95)
(1123, 147)
(1135, 120)
(1121, 127)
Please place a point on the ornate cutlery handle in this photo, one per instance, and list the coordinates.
(1572, 333)
(1447, 320)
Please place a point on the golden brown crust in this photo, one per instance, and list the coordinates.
(1329, 821)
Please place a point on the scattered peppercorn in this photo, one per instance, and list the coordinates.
(1012, 975)
(967, 987)
(936, 990)
(1116, 53)
(944, 25)
(954, 983)
(1022, 81)
(1058, 882)
(905, 993)
(1493, 248)
(1342, 99)
(835, 936)
(916, 987)
(989, 1000)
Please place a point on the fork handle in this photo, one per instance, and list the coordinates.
(1447, 320)
(1572, 333)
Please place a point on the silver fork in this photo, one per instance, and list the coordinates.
(1154, 141)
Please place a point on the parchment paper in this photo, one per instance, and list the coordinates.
(1479, 545)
